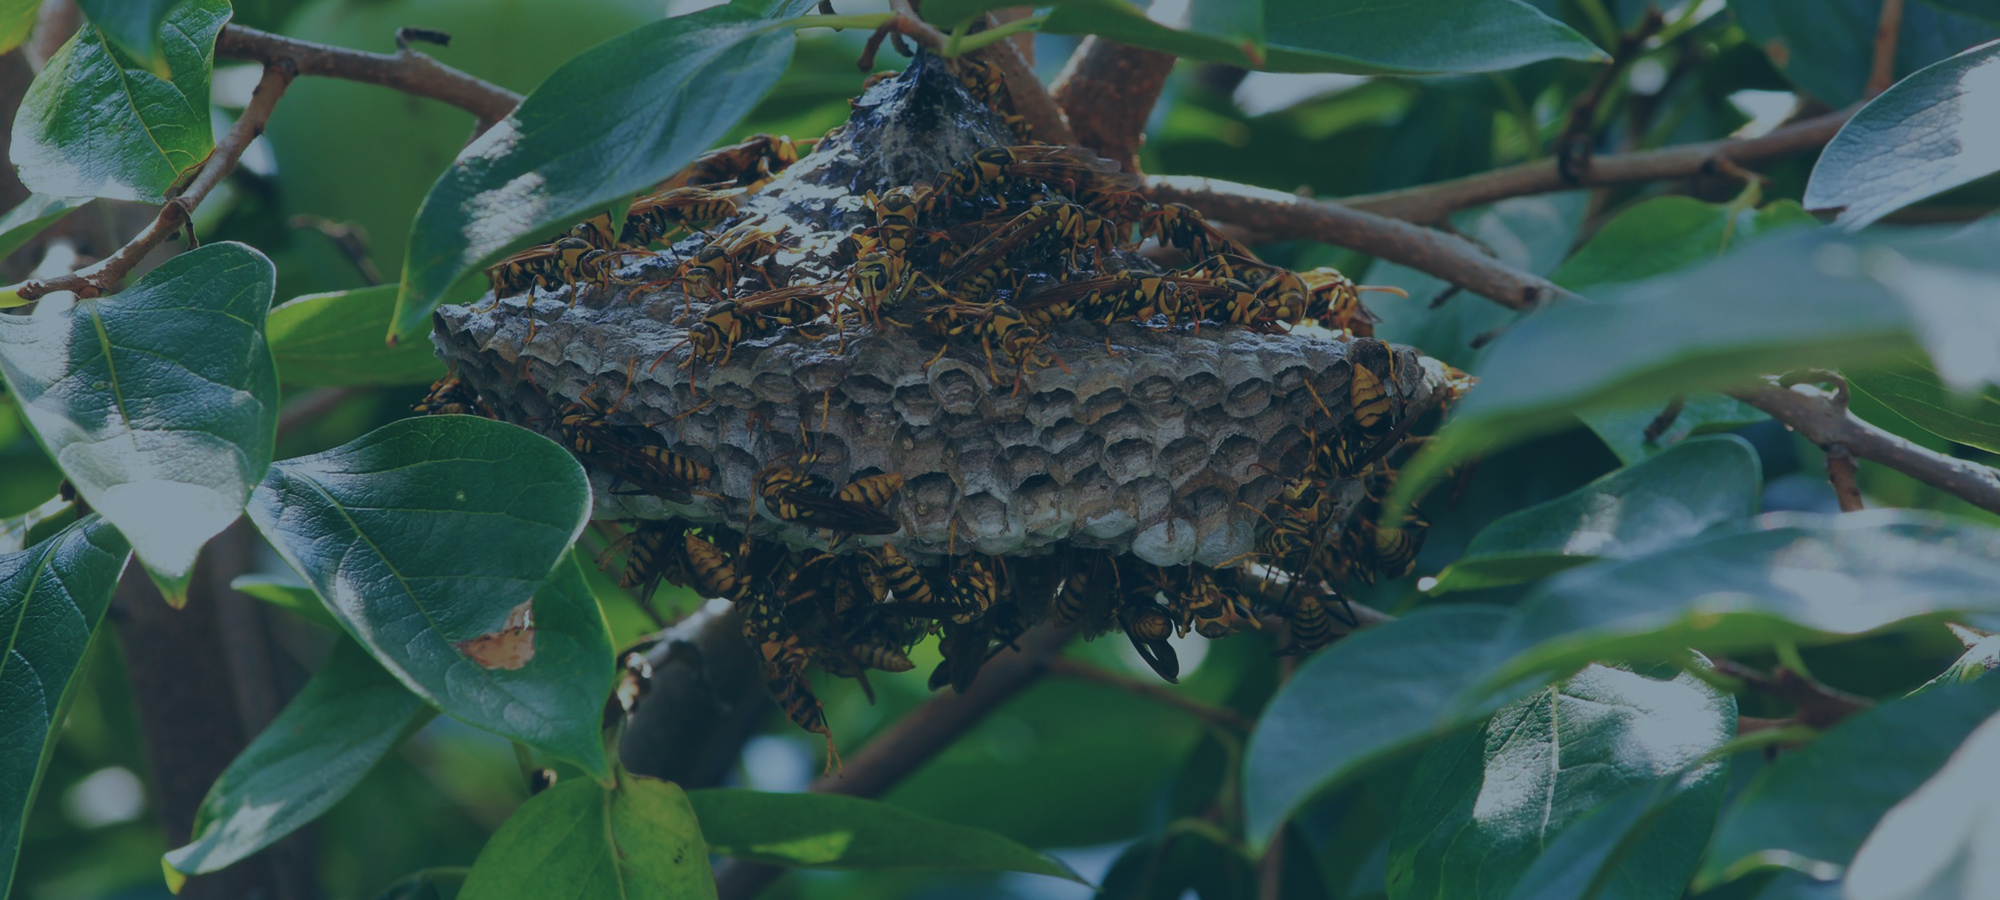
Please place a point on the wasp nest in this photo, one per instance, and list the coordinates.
(925, 367)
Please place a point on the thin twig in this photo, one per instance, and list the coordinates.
(405, 70)
(1882, 72)
(349, 239)
(1813, 412)
(1453, 259)
(309, 407)
(1107, 90)
(1431, 202)
(1219, 716)
(1031, 98)
(1841, 471)
(105, 276)
(1577, 144)
(898, 752)
(1819, 706)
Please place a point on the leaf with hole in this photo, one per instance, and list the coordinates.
(1485, 802)
(830, 831)
(349, 716)
(1812, 809)
(158, 402)
(1926, 134)
(98, 123)
(335, 340)
(1375, 692)
(441, 544)
(1634, 511)
(1783, 576)
(52, 596)
(579, 840)
(613, 121)
(1915, 392)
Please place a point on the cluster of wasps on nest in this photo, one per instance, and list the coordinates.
(954, 257)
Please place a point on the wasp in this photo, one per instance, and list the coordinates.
(791, 494)
(897, 212)
(1077, 226)
(549, 266)
(1001, 324)
(656, 552)
(451, 396)
(1148, 627)
(1311, 627)
(1368, 392)
(1182, 226)
(715, 267)
(1079, 596)
(750, 162)
(1382, 550)
(1210, 611)
(657, 215)
(730, 321)
(902, 578)
(1073, 168)
(1336, 301)
(963, 648)
(629, 452)
(971, 588)
(712, 571)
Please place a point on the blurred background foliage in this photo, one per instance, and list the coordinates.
(1121, 787)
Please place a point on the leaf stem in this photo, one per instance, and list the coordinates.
(957, 45)
(870, 21)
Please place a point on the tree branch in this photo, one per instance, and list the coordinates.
(1432, 202)
(1031, 98)
(899, 751)
(1882, 72)
(1219, 716)
(1813, 412)
(405, 70)
(1576, 147)
(1819, 706)
(1446, 256)
(1108, 89)
(105, 276)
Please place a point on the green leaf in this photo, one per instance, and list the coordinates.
(1191, 858)
(1812, 809)
(17, 532)
(1941, 840)
(1410, 36)
(133, 26)
(1484, 803)
(1633, 511)
(1373, 693)
(159, 402)
(98, 123)
(441, 883)
(17, 21)
(1982, 655)
(1702, 412)
(38, 212)
(580, 841)
(1665, 234)
(346, 719)
(1826, 47)
(1916, 393)
(831, 831)
(1786, 576)
(1926, 134)
(611, 122)
(335, 340)
(1798, 298)
(51, 598)
(427, 538)
(1639, 845)
(287, 592)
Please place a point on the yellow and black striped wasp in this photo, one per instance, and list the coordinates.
(632, 453)
(731, 321)
(451, 396)
(656, 216)
(746, 163)
(1182, 226)
(1072, 168)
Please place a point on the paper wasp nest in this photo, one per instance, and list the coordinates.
(1167, 442)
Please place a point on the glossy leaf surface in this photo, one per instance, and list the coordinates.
(838, 832)
(1928, 133)
(581, 841)
(100, 123)
(335, 340)
(428, 538)
(341, 724)
(1915, 392)
(133, 26)
(52, 596)
(1943, 841)
(158, 402)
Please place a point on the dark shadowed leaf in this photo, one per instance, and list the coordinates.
(1634, 511)
(1373, 693)
(834, 832)
(159, 402)
(36, 213)
(1914, 391)
(441, 883)
(98, 123)
(1799, 298)
(1813, 808)
(133, 26)
(1943, 840)
(613, 121)
(346, 719)
(51, 598)
(1928, 133)
(1702, 412)
(336, 340)
(1784, 576)
(1485, 802)
(1344, 35)
(428, 538)
(287, 592)
(1192, 858)
(580, 841)
(1826, 47)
